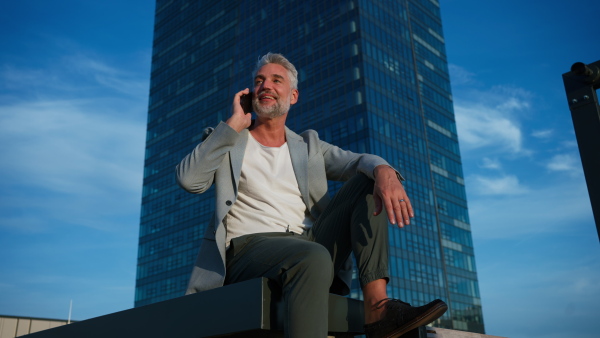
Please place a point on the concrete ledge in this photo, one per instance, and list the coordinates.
(248, 309)
(434, 332)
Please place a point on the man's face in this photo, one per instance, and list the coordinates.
(273, 94)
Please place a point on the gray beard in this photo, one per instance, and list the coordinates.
(271, 112)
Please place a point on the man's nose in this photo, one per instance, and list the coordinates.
(266, 84)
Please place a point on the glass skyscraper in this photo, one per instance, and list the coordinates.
(373, 78)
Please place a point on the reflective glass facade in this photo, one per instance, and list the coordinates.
(373, 78)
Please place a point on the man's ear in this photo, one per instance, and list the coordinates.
(294, 98)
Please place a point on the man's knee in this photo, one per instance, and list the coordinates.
(315, 262)
(319, 256)
(360, 184)
(361, 178)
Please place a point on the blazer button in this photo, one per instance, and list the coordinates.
(228, 202)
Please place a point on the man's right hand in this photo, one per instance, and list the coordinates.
(239, 120)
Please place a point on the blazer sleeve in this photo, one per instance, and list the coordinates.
(196, 172)
(341, 165)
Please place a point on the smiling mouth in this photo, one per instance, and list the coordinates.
(266, 97)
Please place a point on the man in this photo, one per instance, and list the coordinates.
(274, 217)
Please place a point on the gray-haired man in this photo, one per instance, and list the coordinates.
(274, 217)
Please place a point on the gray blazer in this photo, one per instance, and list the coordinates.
(218, 159)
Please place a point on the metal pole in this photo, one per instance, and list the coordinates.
(581, 84)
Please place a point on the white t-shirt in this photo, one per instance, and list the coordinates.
(268, 199)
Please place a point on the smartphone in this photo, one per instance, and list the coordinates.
(246, 102)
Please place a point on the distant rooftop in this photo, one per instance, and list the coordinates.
(15, 326)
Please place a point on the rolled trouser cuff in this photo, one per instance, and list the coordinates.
(371, 276)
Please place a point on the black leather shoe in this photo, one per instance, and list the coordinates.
(400, 317)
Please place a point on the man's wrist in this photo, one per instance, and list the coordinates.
(384, 169)
(236, 124)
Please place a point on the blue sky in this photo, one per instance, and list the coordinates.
(74, 80)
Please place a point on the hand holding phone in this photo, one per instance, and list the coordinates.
(246, 102)
(242, 105)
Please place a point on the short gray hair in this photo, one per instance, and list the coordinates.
(279, 60)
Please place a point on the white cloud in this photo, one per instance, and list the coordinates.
(564, 162)
(73, 76)
(543, 134)
(505, 185)
(513, 103)
(34, 82)
(490, 119)
(485, 127)
(68, 146)
(536, 210)
(460, 76)
(569, 144)
(110, 77)
(489, 163)
(72, 153)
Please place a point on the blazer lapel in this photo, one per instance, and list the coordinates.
(299, 155)
(236, 156)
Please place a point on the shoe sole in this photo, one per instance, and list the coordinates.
(427, 317)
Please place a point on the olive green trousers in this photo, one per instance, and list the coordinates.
(305, 266)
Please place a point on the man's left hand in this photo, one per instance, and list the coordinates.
(389, 193)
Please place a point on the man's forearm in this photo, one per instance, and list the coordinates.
(196, 171)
